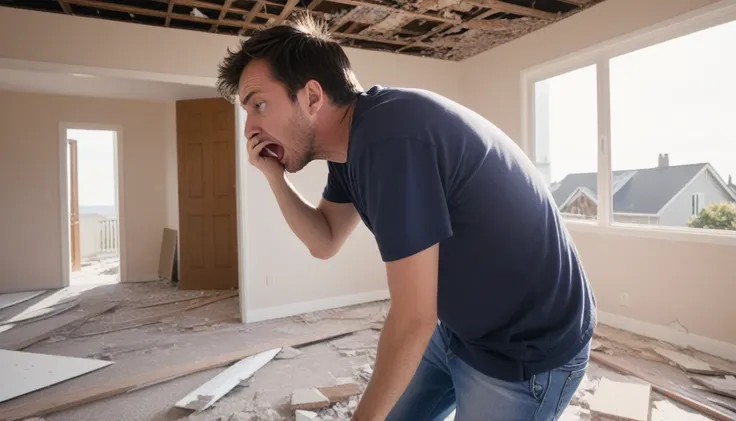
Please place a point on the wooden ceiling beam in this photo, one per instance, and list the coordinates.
(502, 6)
(169, 10)
(254, 11)
(65, 7)
(285, 12)
(579, 3)
(156, 13)
(376, 40)
(313, 4)
(223, 12)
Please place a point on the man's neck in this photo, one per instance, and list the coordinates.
(333, 133)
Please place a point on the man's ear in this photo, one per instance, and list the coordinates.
(315, 96)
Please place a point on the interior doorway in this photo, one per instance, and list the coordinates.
(93, 207)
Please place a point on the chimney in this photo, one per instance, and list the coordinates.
(664, 160)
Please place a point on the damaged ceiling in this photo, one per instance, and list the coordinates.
(443, 29)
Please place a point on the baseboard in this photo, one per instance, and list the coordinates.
(701, 343)
(293, 309)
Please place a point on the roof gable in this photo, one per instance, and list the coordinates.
(644, 191)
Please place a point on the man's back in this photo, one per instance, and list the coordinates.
(422, 169)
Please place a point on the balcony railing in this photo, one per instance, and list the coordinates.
(109, 235)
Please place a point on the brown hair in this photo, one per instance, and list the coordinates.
(296, 52)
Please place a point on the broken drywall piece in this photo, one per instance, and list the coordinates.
(301, 415)
(308, 399)
(624, 401)
(207, 394)
(288, 353)
(8, 300)
(25, 372)
(688, 363)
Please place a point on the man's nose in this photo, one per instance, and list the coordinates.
(251, 129)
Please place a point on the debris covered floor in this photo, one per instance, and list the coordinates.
(160, 342)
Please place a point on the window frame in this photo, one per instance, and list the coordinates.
(600, 55)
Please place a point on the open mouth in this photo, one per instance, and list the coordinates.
(273, 150)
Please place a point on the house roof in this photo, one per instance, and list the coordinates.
(644, 191)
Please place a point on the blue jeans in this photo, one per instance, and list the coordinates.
(443, 383)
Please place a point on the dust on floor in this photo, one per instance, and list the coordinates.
(213, 330)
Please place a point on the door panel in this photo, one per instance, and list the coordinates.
(74, 239)
(207, 202)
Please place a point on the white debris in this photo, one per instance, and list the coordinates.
(305, 415)
(308, 399)
(196, 13)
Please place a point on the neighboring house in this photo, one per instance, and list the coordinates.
(730, 184)
(665, 195)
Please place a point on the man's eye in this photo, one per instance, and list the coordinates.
(260, 106)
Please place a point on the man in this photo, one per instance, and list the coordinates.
(465, 224)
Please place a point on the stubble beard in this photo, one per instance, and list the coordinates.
(307, 141)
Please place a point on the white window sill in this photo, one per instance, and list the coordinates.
(691, 235)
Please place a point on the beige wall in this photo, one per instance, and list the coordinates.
(30, 229)
(666, 280)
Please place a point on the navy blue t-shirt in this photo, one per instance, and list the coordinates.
(422, 169)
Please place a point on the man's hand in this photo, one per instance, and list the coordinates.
(409, 326)
(268, 165)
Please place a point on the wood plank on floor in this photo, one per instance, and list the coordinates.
(621, 401)
(9, 300)
(722, 386)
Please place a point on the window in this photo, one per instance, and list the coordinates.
(696, 201)
(672, 108)
(641, 133)
(565, 130)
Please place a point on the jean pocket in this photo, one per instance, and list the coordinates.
(572, 382)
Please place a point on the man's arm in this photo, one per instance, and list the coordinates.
(323, 229)
(412, 282)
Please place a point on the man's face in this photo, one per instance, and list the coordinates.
(285, 125)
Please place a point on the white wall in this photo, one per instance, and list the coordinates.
(689, 282)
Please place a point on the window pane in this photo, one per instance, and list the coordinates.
(672, 127)
(565, 140)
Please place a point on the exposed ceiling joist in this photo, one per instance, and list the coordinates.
(502, 6)
(444, 29)
(578, 3)
(223, 12)
(65, 7)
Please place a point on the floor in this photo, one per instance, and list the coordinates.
(187, 334)
(97, 270)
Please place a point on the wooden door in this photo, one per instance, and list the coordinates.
(207, 205)
(75, 246)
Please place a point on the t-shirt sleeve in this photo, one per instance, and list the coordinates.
(334, 190)
(405, 198)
